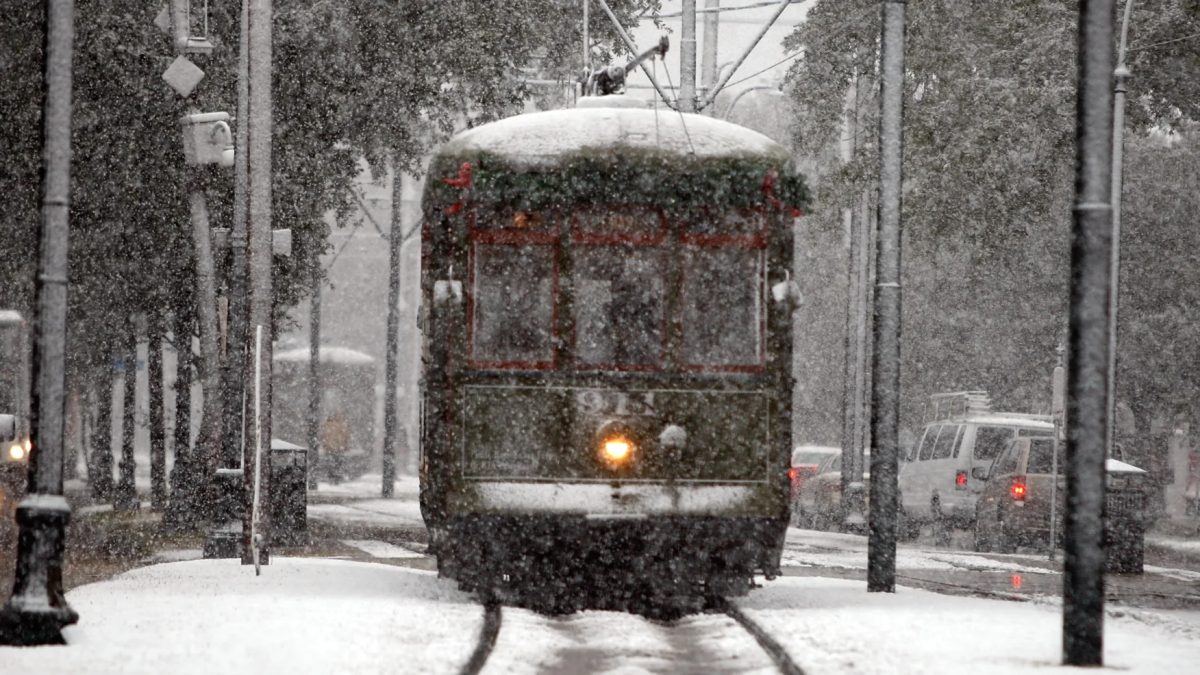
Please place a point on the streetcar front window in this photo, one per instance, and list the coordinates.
(619, 277)
(722, 307)
(618, 307)
(513, 305)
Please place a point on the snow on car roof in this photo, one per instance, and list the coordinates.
(1117, 466)
(802, 450)
(541, 137)
(1001, 419)
(342, 355)
(10, 316)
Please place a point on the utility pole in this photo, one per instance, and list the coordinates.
(1087, 351)
(236, 357)
(885, 383)
(587, 47)
(687, 58)
(1120, 79)
(708, 58)
(37, 609)
(258, 210)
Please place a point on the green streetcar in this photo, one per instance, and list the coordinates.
(607, 323)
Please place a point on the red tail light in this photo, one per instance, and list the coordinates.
(1018, 489)
(793, 474)
(960, 480)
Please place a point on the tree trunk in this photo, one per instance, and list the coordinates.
(158, 432)
(102, 457)
(126, 498)
(180, 510)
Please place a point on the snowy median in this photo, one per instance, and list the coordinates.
(301, 616)
(835, 626)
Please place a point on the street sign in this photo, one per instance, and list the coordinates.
(163, 19)
(183, 76)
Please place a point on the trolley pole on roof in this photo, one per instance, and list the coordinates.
(1087, 351)
(37, 609)
(885, 385)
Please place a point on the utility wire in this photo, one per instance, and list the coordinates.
(1164, 42)
(682, 121)
(837, 32)
(722, 10)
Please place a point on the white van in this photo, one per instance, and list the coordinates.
(942, 475)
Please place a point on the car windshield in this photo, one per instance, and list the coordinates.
(809, 457)
(990, 442)
(1041, 456)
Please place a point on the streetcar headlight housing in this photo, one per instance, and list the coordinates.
(16, 451)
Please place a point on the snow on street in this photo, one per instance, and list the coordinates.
(322, 616)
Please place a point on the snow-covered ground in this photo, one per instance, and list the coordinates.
(327, 616)
(810, 548)
(300, 616)
(835, 626)
(374, 512)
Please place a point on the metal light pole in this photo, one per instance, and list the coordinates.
(687, 58)
(235, 358)
(258, 209)
(1120, 77)
(708, 58)
(885, 384)
(1087, 357)
(37, 609)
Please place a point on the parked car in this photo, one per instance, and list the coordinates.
(1014, 507)
(939, 478)
(819, 502)
(806, 459)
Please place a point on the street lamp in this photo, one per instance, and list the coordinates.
(37, 610)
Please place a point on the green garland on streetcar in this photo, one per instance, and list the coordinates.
(675, 183)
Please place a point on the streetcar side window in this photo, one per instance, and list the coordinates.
(722, 306)
(513, 305)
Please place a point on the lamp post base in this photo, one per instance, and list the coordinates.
(37, 610)
(30, 629)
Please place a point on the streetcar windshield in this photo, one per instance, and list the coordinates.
(722, 320)
(513, 317)
(619, 280)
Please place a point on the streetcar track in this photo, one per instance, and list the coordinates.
(487, 639)
(779, 655)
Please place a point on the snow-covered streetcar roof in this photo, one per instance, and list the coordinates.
(541, 137)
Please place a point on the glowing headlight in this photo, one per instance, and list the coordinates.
(616, 450)
(16, 451)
